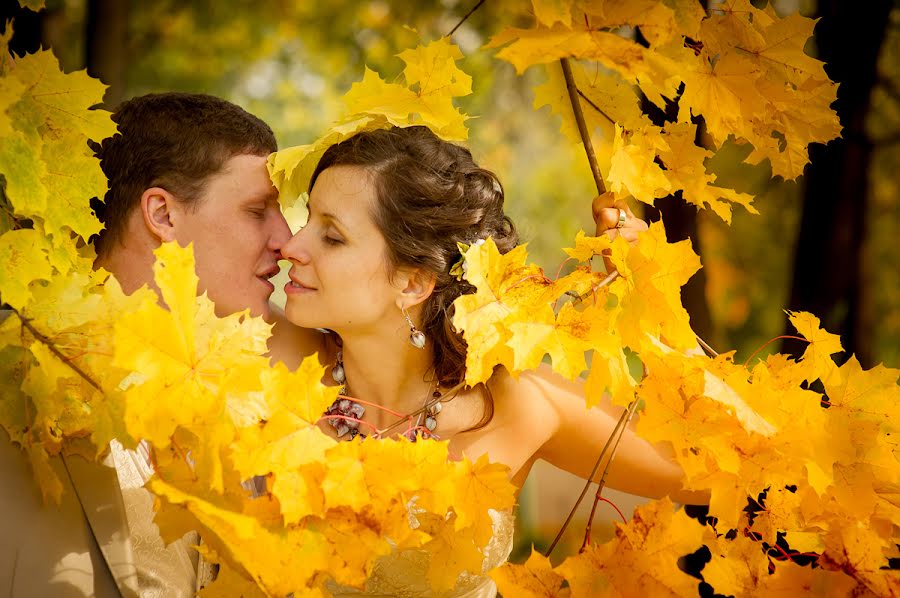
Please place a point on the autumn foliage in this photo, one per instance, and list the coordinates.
(798, 457)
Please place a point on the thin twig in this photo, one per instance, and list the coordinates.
(582, 126)
(463, 20)
(49, 344)
(590, 478)
(612, 276)
(703, 344)
(612, 455)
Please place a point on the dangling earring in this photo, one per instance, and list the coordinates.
(337, 372)
(416, 336)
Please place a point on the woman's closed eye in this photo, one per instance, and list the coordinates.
(332, 240)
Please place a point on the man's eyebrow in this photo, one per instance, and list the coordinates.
(266, 196)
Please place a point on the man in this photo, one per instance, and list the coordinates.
(184, 167)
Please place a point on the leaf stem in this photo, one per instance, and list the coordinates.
(582, 126)
(772, 340)
(595, 107)
(49, 344)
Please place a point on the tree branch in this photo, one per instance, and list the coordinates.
(629, 413)
(620, 425)
(582, 126)
(49, 344)
(465, 18)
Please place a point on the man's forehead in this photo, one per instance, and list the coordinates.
(243, 179)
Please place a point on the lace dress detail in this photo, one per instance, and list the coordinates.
(163, 571)
(403, 574)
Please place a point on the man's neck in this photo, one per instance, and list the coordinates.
(131, 263)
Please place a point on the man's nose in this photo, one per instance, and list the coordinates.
(279, 233)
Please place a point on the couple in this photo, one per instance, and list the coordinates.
(372, 264)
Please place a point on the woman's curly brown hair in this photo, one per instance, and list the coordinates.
(431, 195)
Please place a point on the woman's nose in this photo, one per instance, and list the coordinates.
(295, 248)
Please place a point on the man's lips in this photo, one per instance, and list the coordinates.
(267, 274)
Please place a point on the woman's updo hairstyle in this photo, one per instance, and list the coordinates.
(431, 195)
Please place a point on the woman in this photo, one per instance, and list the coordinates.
(386, 211)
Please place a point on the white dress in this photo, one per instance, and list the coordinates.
(404, 574)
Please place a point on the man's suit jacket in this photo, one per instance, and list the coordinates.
(79, 548)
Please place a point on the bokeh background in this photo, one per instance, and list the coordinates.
(826, 243)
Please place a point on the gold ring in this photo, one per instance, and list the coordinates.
(622, 218)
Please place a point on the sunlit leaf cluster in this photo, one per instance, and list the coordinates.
(798, 457)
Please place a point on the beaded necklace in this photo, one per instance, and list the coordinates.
(347, 413)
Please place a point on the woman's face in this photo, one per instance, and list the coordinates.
(340, 275)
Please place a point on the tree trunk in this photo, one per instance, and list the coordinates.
(106, 45)
(828, 264)
(680, 220)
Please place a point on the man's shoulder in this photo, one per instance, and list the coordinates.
(48, 549)
(290, 344)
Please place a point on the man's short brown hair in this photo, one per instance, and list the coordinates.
(175, 141)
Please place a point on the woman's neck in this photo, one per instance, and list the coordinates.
(387, 370)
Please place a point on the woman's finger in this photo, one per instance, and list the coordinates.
(607, 219)
(607, 200)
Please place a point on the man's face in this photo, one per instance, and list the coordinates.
(237, 230)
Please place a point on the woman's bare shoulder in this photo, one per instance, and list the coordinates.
(531, 398)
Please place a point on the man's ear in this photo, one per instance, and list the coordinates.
(158, 208)
(415, 286)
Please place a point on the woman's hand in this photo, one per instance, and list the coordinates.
(613, 218)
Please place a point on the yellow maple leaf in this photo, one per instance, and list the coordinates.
(432, 70)
(472, 490)
(300, 392)
(655, 20)
(281, 561)
(50, 171)
(180, 351)
(507, 290)
(550, 12)
(685, 170)
(23, 254)
(858, 394)
(652, 272)
(587, 247)
(633, 169)
(790, 580)
(816, 360)
(292, 168)
(293, 456)
(642, 559)
(565, 339)
(724, 92)
(737, 566)
(431, 81)
(653, 71)
(533, 579)
(452, 551)
(859, 552)
(606, 100)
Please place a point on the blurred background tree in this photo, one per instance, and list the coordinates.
(825, 243)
